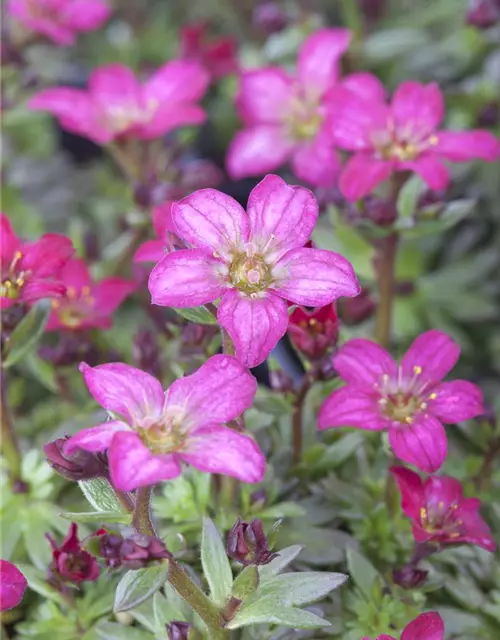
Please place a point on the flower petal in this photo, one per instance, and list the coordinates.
(441, 493)
(85, 15)
(411, 489)
(166, 116)
(361, 174)
(431, 356)
(256, 151)
(124, 390)
(314, 277)
(351, 407)
(255, 325)
(177, 82)
(428, 626)
(96, 438)
(365, 85)
(46, 256)
(150, 251)
(353, 120)
(460, 146)
(417, 108)
(264, 96)
(430, 169)
(186, 278)
(9, 242)
(422, 443)
(114, 88)
(75, 273)
(220, 391)
(162, 219)
(132, 465)
(217, 449)
(109, 293)
(317, 162)
(472, 528)
(319, 58)
(456, 401)
(364, 363)
(12, 585)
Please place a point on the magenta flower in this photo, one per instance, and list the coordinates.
(12, 585)
(117, 106)
(254, 261)
(428, 626)
(70, 561)
(154, 250)
(155, 431)
(314, 332)
(60, 20)
(409, 400)
(439, 512)
(285, 117)
(30, 269)
(86, 304)
(402, 136)
(217, 55)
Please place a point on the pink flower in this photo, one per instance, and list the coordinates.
(116, 105)
(285, 117)
(428, 626)
(217, 55)
(12, 585)
(439, 512)
(30, 269)
(86, 304)
(409, 400)
(60, 20)
(154, 250)
(155, 431)
(254, 261)
(314, 332)
(402, 136)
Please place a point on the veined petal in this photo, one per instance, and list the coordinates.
(417, 108)
(428, 626)
(411, 489)
(186, 278)
(430, 168)
(456, 401)
(422, 443)
(314, 277)
(177, 82)
(264, 95)
(255, 325)
(460, 146)
(319, 57)
(361, 174)
(257, 150)
(217, 449)
(431, 357)
(125, 390)
(220, 391)
(96, 438)
(317, 162)
(364, 363)
(351, 407)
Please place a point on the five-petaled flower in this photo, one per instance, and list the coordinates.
(427, 626)
(409, 400)
(402, 136)
(439, 512)
(86, 304)
(30, 269)
(117, 106)
(60, 20)
(157, 430)
(70, 561)
(12, 585)
(254, 261)
(285, 117)
(314, 332)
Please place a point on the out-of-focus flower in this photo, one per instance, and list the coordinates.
(60, 20)
(254, 261)
(146, 351)
(86, 304)
(483, 13)
(409, 400)
(178, 630)
(158, 430)
(285, 117)
(217, 55)
(439, 512)
(70, 561)
(117, 106)
(154, 250)
(247, 543)
(356, 310)
(270, 17)
(314, 332)
(134, 552)
(12, 585)
(402, 136)
(409, 577)
(30, 269)
(428, 626)
(80, 465)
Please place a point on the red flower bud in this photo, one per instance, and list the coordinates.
(70, 562)
(483, 13)
(247, 543)
(80, 465)
(314, 333)
(409, 577)
(178, 630)
(134, 552)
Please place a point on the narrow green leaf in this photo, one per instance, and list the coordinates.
(273, 613)
(100, 494)
(286, 556)
(361, 570)
(215, 563)
(408, 197)
(137, 586)
(97, 516)
(197, 314)
(27, 333)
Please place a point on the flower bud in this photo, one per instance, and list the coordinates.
(409, 577)
(314, 333)
(269, 17)
(134, 552)
(247, 543)
(355, 310)
(178, 630)
(80, 465)
(483, 13)
(70, 561)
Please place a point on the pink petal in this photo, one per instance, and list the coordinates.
(46, 256)
(162, 219)
(474, 529)
(114, 87)
(216, 449)
(428, 626)
(186, 278)
(411, 489)
(317, 162)
(353, 120)
(417, 108)
(430, 169)
(433, 354)
(132, 464)
(361, 174)
(364, 363)
(220, 391)
(109, 293)
(314, 277)
(85, 15)
(9, 242)
(264, 96)
(177, 82)
(255, 325)
(169, 116)
(125, 390)
(12, 585)
(422, 443)
(75, 274)
(351, 407)
(460, 146)
(456, 401)
(256, 151)
(282, 217)
(441, 492)
(365, 85)
(96, 438)
(35, 290)
(150, 251)
(319, 58)
(210, 219)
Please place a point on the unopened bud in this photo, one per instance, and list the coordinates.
(247, 543)
(409, 577)
(134, 552)
(80, 465)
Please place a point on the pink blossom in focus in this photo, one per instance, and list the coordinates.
(30, 269)
(86, 304)
(217, 55)
(154, 250)
(285, 116)
(439, 512)
(117, 106)
(407, 399)
(254, 261)
(400, 136)
(60, 20)
(427, 626)
(12, 585)
(154, 431)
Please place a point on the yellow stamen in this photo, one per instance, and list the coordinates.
(417, 370)
(433, 396)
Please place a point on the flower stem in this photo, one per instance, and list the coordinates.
(386, 263)
(125, 500)
(141, 520)
(297, 426)
(9, 445)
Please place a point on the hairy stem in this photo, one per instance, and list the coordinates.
(9, 445)
(125, 500)
(141, 520)
(386, 262)
(297, 426)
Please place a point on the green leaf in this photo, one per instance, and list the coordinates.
(361, 570)
(302, 587)
(246, 582)
(197, 314)
(37, 580)
(100, 494)
(453, 213)
(97, 516)
(272, 613)
(215, 563)
(27, 333)
(137, 586)
(286, 556)
(408, 197)
(115, 631)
